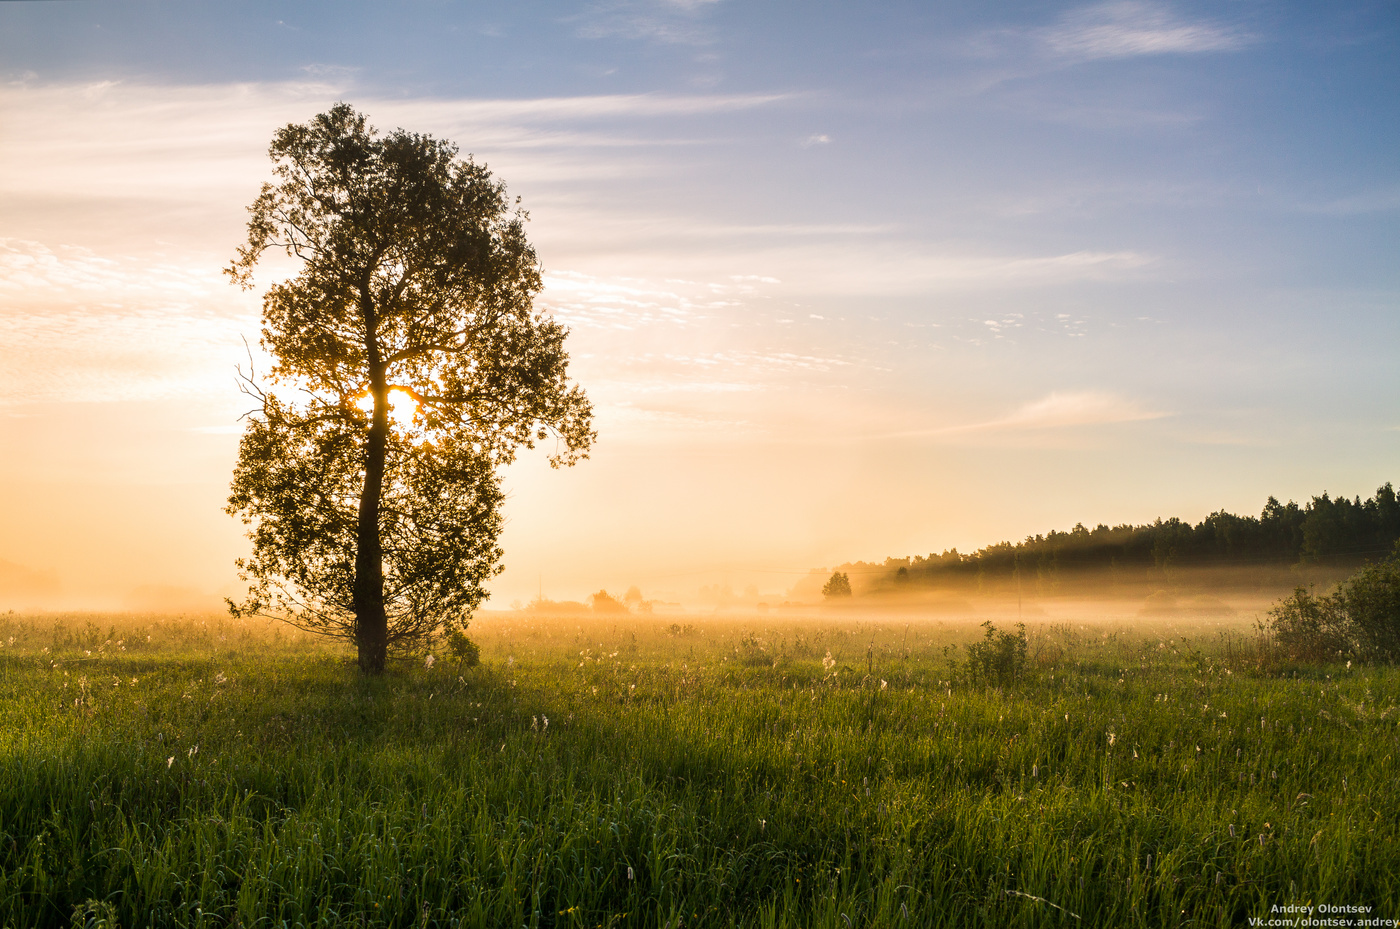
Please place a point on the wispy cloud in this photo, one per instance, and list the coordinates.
(1379, 200)
(178, 142)
(1127, 29)
(1074, 408)
(592, 107)
(31, 271)
(78, 327)
(1056, 410)
(670, 22)
(1019, 58)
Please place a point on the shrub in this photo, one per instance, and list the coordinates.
(466, 651)
(1361, 618)
(606, 603)
(1306, 627)
(1371, 601)
(999, 657)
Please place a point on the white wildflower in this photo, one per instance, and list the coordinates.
(170, 761)
(428, 662)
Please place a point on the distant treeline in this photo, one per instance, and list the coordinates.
(1327, 532)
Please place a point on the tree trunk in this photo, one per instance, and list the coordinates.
(371, 622)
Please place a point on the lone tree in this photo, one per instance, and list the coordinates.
(411, 364)
(837, 586)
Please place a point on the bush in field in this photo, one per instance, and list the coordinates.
(1000, 656)
(466, 651)
(1371, 600)
(1306, 627)
(604, 602)
(1361, 618)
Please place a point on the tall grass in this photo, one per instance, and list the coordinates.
(635, 774)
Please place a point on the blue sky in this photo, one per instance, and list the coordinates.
(843, 282)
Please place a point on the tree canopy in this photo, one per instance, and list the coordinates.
(409, 364)
(837, 586)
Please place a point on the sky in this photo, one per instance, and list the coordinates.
(843, 280)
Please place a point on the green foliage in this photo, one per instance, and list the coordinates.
(1371, 598)
(1306, 627)
(298, 481)
(467, 652)
(1361, 618)
(1000, 657)
(95, 914)
(416, 285)
(837, 587)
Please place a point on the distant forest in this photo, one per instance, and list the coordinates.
(1327, 532)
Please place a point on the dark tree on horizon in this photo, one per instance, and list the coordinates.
(1336, 533)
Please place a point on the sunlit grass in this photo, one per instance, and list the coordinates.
(650, 773)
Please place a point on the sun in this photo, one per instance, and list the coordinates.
(402, 406)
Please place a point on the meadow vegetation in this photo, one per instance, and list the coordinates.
(819, 770)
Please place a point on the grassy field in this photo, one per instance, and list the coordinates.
(814, 772)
